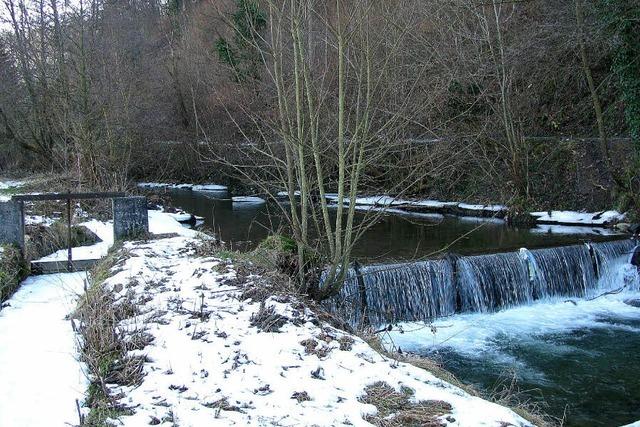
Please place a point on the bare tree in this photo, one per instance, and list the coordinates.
(337, 118)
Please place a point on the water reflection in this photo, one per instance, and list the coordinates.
(393, 236)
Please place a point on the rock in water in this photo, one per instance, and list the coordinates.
(635, 258)
(623, 227)
(633, 302)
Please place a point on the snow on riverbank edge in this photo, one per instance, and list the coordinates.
(568, 218)
(212, 361)
(194, 187)
(408, 206)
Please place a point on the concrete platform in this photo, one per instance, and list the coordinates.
(51, 267)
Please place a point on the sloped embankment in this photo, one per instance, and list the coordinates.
(200, 343)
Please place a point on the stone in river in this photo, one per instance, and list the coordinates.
(633, 302)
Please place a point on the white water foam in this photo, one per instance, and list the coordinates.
(476, 334)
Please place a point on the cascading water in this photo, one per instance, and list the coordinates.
(348, 303)
(425, 290)
(488, 282)
(563, 271)
(417, 291)
(607, 255)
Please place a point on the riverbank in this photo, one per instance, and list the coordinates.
(222, 345)
(192, 317)
(206, 341)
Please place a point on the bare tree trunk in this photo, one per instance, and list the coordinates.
(595, 99)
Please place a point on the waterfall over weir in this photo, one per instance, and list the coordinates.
(422, 291)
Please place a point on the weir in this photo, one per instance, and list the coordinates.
(425, 290)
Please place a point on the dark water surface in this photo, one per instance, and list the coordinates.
(399, 237)
(589, 376)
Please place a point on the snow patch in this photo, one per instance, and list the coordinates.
(490, 208)
(41, 377)
(248, 199)
(209, 363)
(7, 184)
(104, 231)
(572, 217)
(183, 186)
(159, 223)
(209, 187)
(286, 194)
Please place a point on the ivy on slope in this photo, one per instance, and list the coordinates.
(622, 22)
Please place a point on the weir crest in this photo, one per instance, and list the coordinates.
(425, 290)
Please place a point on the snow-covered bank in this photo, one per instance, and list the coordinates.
(568, 218)
(219, 359)
(104, 231)
(427, 206)
(194, 187)
(7, 186)
(159, 223)
(254, 200)
(40, 377)
(39, 365)
(578, 218)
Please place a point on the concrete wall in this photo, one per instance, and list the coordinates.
(130, 218)
(12, 223)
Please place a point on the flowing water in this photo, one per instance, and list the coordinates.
(554, 318)
(575, 357)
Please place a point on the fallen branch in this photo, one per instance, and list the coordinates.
(614, 292)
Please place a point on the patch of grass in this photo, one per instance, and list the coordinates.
(13, 269)
(276, 252)
(10, 191)
(103, 270)
(398, 408)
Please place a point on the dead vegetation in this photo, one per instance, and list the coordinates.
(13, 269)
(45, 240)
(301, 396)
(267, 319)
(399, 408)
(311, 347)
(104, 346)
(507, 393)
(320, 346)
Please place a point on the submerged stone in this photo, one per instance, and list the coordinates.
(633, 302)
(635, 258)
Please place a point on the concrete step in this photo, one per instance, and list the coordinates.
(51, 267)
